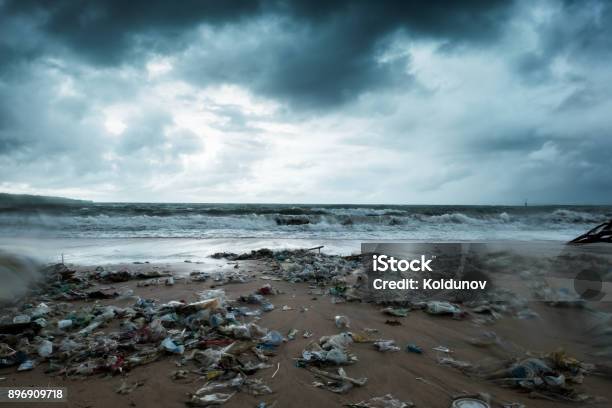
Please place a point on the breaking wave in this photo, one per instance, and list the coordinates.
(329, 221)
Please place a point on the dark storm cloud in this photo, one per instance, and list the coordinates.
(493, 99)
(106, 31)
(579, 31)
(331, 52)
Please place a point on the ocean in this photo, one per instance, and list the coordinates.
(94, 232)
(134, 220)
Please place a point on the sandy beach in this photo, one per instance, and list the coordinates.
(418, 378)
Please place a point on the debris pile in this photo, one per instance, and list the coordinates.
(302, 265)
(213, 334)
(552, 376)
(331, 351)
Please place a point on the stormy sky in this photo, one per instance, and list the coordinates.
(441, 102)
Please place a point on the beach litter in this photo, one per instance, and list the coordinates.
(292, 333)
(469, 403)
(386, 345)
(26, 366)
(436, 307)
(342, 322)
(329, 350)
(550, 376)
(396, 312)
(413, 348)
(338, 383)
(386, 401)
(127, 388)
(208, 400)
(211, 334)
(452, 362)
(217, 339)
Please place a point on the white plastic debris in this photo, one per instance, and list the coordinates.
(45, 349)
(64, 324)
(342, 322)
(172, 347)
(386, 345)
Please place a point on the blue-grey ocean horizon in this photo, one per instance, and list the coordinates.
(342, 221)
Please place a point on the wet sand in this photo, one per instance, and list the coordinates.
(407, 376)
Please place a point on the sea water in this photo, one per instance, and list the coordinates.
(117, 232)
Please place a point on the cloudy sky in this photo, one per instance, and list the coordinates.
(465, 102)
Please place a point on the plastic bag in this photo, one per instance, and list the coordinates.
(169, 345)
(64, 324)
(45, 349)
(386, 345)
(210, 399)
(342, 322)
(272, 338)
(440, 308)
(341, 340)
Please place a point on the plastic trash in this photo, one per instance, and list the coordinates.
(41, 321)
(272, 338)
(213, 294)
(194, 320)
(12, 359)
(245, 311)
(169, 318)
(216, 320)
(386, 345)
(469, 403)
(292, 333)
(342, 322)
(341, 341)
(254, 299)
(211, 304)
(397, 312)
(265, 289)
(64, 324)
(21, 319)
(442, 349)
(413, 348)
(67, 345)
(267, 307)
(210, 399)
(127, 294)
(26, 366)
(172, 347)
(386, 401)
(45, 349)
(459, 364)
(106, 316)
(90, 328)
(239, 331)
(40, 310)
(208, 358)
(441, 308)
(336, 356)
(156, 330)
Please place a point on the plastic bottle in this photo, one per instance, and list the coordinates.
(45, 349)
